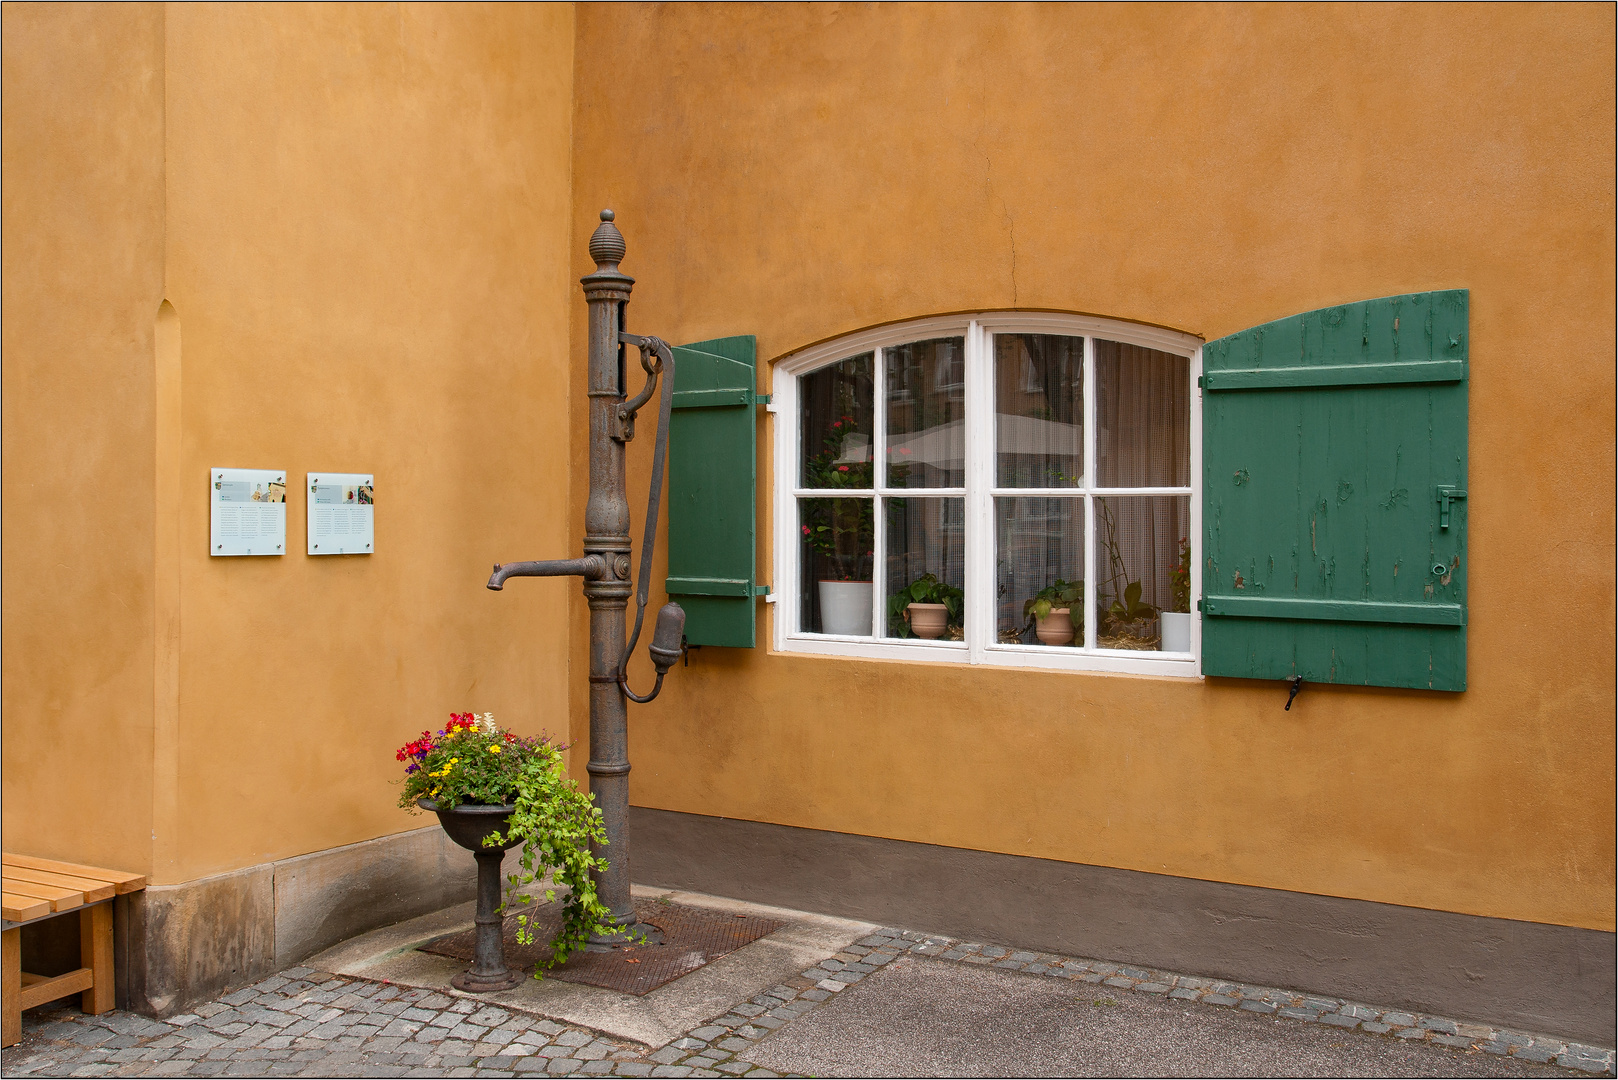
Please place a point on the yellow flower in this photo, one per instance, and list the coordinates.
(494, 749)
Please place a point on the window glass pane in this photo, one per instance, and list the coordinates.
(926, 542)
(926, 399)
(836, 539)
(1039, 406)
(836, 424)
(1039, 547)
(1142, 568)
(1143, 417)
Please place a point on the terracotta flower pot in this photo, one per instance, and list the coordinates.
(928, 620)
(1055, 628)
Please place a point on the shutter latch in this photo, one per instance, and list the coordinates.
(1447, 495)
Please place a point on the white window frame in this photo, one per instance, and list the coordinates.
(980, 646)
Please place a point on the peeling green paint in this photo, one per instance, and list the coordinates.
(1303, 414)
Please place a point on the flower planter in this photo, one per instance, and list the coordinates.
(928, 620)
(1176, 628)
(845, 608)
(469, 826)
(1055, 628)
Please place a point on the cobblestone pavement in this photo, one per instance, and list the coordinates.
(311, 1023)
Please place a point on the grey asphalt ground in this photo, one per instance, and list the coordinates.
(924, 1017)
(819, 997)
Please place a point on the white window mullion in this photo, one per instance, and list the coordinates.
(980, 451)
(1090, 590)
(879, 481)
(784, 404)
(1196, 507)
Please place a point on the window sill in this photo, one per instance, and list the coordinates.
(1043, 657)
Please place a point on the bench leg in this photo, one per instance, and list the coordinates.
(11, 1007)
(95, 953)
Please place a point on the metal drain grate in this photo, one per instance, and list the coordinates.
(692, 937)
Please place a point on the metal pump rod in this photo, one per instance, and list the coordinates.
(605, 565)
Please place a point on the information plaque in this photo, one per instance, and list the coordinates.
(247, 512)
(342, 509)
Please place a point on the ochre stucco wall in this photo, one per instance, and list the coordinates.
(801, 172)
(83, 278)
(358, 217)
(367, 226)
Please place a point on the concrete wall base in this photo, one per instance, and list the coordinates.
(1553, 979)
(178, 945)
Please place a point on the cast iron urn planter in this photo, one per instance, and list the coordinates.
(469, 826)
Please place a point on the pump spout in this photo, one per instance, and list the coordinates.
(591, 568)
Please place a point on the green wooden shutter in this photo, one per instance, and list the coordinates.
(1334, 479)
(712, 477)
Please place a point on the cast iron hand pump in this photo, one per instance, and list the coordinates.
(605, 565)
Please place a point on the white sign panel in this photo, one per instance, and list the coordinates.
(342, 511)
(247, 512)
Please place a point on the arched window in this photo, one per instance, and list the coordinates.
(1027, 480)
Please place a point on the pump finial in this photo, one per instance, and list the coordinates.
(607, 243)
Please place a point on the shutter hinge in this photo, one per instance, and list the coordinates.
(761, 399)
(1199, 603)
(764, 591)
(1201, 381)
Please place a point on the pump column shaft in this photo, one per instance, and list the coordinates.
(606, 534)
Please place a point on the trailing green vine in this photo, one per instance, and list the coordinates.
(470, 761)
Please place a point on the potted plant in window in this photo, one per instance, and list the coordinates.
(840, 530)
(1125, 623)
(1051, 610)
(493, 790)
(1176, 624)
(926, 608)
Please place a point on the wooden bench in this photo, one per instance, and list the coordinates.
(35, 889)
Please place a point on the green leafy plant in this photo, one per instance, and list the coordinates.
(840, 529)
(926, 589)
(470, 761)
(1058, 594)
(1128, 607)
(1180, 579)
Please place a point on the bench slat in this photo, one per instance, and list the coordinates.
(94, 891)
(122, 879)
(19, 909)
(60, 899)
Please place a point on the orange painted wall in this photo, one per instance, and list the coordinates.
(83, 278)
(358, 217)
(368, 222)
(801, 172)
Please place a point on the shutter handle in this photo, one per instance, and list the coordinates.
(1447, 494)
(1296, 683)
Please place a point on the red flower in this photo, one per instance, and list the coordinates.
(842, 468)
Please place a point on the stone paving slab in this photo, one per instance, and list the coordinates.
(307, 1022)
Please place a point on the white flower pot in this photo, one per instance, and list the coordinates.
(845, 607)
(1176, 626)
